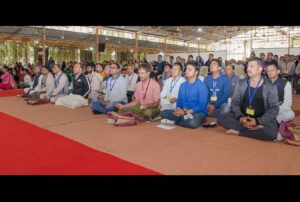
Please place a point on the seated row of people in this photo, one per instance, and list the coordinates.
(250, 107)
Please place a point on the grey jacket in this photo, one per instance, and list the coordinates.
(270, 96)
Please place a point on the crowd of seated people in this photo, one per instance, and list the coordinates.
(252, 105)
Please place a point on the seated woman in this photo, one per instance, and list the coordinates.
(25, 79)
(6, 80)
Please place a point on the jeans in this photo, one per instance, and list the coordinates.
(98, 107)
(188, 123)
(224, 108)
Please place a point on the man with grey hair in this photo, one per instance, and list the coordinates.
(255, 106)
(37, 81)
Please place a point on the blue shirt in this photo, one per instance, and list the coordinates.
(193, 96)
(219, 87)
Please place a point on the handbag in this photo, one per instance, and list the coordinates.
(290, 132)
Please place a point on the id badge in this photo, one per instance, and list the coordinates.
(250, 111)
(214, 98)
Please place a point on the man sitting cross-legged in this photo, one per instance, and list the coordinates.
(146, 96)
(255, 106)
(115, 92)
(192, 100)
(79, 94)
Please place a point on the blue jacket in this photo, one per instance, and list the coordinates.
(193, 96)
(221, 88)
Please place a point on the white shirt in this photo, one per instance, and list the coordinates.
(27, 79)
(116, 89)
(170, 90)
(131, 81)
(95, 81)
(49, 84)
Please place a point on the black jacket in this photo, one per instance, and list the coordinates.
(81, 86)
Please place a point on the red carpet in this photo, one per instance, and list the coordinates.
(26, 149)
(6, 93)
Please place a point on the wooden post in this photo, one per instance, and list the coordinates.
(26, 54)
(289, 40)
(97, 44)
(166, 45)
(136, 47)
(44, 50)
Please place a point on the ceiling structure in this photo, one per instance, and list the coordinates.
(123, 38)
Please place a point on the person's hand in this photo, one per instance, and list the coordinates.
(243, 120)
(119, 106)
(211, 108)
(100, 97)
(105, 103)
(190, 111)
(145, 106)
(251, 123)
(173, 100)
(178, 112)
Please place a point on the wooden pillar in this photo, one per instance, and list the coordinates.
(26, 54)
(136, 47)
(97, 44)
(44, 50)
(245, 46)
(166, 45)
(289, 40)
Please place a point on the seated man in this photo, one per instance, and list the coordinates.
(114, 92)
(95, 82)
(169, 93)
(229, 72)
(80, 91)
(284, 89)
(37, 81)
(254, 106)
(131, 79)
(192, 101)
(60, 85)
(166, 74)
(219, 90)
(146, 96)
(47, 85)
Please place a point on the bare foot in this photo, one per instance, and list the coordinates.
(232, 132)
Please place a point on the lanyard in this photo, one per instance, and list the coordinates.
(130, 79)
(91, 77)
(172, 87)
(111, 87)
(58, 78)
(144, 95)
(252, 97)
